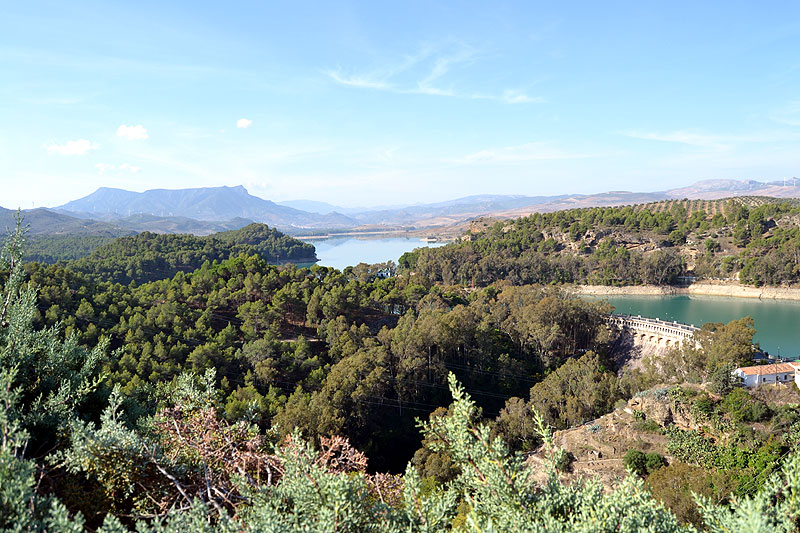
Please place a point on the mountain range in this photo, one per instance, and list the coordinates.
(207, 203)
(202, 211)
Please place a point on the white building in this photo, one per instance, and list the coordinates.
(753, 376)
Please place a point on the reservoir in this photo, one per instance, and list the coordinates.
(341, 252)
(777, 322)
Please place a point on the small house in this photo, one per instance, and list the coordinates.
(753, 376)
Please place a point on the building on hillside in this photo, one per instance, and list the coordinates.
(753, 376)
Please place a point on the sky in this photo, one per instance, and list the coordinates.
(376, 103)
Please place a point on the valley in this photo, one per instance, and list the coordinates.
(399, 267)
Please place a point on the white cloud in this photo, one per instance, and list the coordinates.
(360, 82)
(129, 168)
(789, 114)
(132, 133)
(511, 96)
(427, 72)
(536, 151)
(244, 123)
(713, 141)
(102, 168)
(78, 147)
(682, 137)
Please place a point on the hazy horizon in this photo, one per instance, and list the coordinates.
(354, 206)
(361, 104)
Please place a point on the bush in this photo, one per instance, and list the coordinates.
(653, 461)
(564, 460)
(742, 407)
(648, 426)
(722, 379)
(636, 462)
(703, 407)
(676, 484)
(643, 463)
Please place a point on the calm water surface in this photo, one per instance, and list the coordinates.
(777, 322)
(340, 252)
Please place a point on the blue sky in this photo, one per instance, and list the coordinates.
(365, 103)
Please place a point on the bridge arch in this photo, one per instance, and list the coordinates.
(653, 330)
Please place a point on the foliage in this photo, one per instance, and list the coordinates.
(54, 248)
(775, 508)
(635, 461)
(299, 347)
(150, 256)
(723, 379)
(716, 351)
(742, 407)
(191, 424)
(641, 463)
(677, 484)
(628, 245)
(578, 391)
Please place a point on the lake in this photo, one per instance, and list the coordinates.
(777, 321)
(341, 252)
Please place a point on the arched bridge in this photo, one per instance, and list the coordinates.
(654, 331)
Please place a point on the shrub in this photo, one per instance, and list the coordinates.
(703, 407)
(564, 460)
(653, 461)
(636, 462)
(722, 379)
(648, 426)
(742, 407)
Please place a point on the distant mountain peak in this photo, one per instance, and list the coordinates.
(201, 203)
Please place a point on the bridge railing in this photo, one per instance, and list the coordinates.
(642, 321)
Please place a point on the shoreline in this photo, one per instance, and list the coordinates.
(415, 234)
(698, 289)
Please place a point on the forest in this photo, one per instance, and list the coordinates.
(238, 395)
(753, 240)
(151, 256)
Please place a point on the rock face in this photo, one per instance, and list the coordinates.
(657, 407)
(599, 446)
(705, 288)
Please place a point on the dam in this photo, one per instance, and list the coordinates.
(652, 331)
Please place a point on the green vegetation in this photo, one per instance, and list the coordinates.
(149, 256)
(641, 463)
(303, 347)
(758, 241)
(54, 248)
(719, 349)
(244, 396)
(728, 455)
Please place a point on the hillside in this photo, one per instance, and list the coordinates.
(226, 360)
(48, 222)
(715, 445)
(750, 239)
(149, 256)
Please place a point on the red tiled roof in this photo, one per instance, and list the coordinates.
(760, 370)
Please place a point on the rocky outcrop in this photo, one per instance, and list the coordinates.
(701, 289)
(656, 406)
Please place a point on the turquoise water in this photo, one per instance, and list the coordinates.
(340, 252)
(777, 322)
